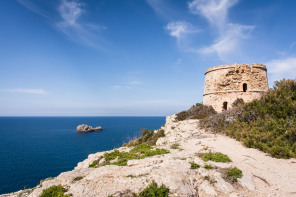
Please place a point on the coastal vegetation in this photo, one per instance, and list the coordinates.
(121, 158)
(78, 178)
(268, 124)
(217, 157)
(233, 174)
(194, 165)
(148, 137)
(198, 111)
(208, 166)
(56, 191)
(154, 191)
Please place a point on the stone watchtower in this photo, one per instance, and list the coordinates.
(225, 83)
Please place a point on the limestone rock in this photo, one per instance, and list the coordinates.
(85, 128)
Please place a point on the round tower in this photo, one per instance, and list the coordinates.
(225, 83)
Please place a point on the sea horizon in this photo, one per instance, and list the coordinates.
(33, 148)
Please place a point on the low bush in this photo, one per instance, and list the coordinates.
(208, 166)
(148, 137)
(219, 122)
(121, 158)
(194, 165)
(217, 157)
(77, 178)
(198, 111)
(239, 102)
(55, 191)
(234, 173)
(154, 191)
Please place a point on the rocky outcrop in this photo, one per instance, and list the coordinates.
(262, 175)
(85, 128)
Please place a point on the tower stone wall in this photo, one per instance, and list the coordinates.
(225, 83)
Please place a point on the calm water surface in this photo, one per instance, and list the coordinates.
(34, 148)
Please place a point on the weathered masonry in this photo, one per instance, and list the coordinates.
(225, 83)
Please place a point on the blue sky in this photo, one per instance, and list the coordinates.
(133, 57)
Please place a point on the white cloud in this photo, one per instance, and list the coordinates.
(27, 91)
(70, 25)
(117, 86)
(183, 32)
(69, 21)
(281, 68)
(157, 6)
(31, 6)
(70, 11)
(215, 11)
(229, 36)
(229, 42)
(180, 28)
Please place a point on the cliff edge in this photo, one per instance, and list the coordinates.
(262, 175)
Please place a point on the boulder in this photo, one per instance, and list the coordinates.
(85, 128)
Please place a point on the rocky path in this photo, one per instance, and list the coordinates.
(262, 175)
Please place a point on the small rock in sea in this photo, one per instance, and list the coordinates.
(86, 128)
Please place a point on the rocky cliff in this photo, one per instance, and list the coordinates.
(262, 175)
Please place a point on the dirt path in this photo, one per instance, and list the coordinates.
(272, 177)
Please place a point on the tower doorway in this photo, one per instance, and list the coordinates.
(224, 106)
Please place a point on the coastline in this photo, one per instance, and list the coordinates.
(262, 175)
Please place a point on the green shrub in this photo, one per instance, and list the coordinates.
(217, 157)
(198, 111)
(219, 122)
(154, 191)
(194, 165)
(77, 178)
(268, 124)
(55, 191)
(234, 173)
(239, 102)
(148, 137)
(139, 152)
(208, 166)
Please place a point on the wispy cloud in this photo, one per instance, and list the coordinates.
(70, 22)
(183, 32)
(27, 91)
(215, 11)
(117, 86)
(76, 30)
(227, 37)
(281, 68)
(229, 42)
(180, 28)
(34, 8)
(162, 8)
(70, 11)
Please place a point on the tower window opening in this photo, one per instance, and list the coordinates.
(245, 87)
(224, 106)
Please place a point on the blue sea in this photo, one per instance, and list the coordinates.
(34, 148)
